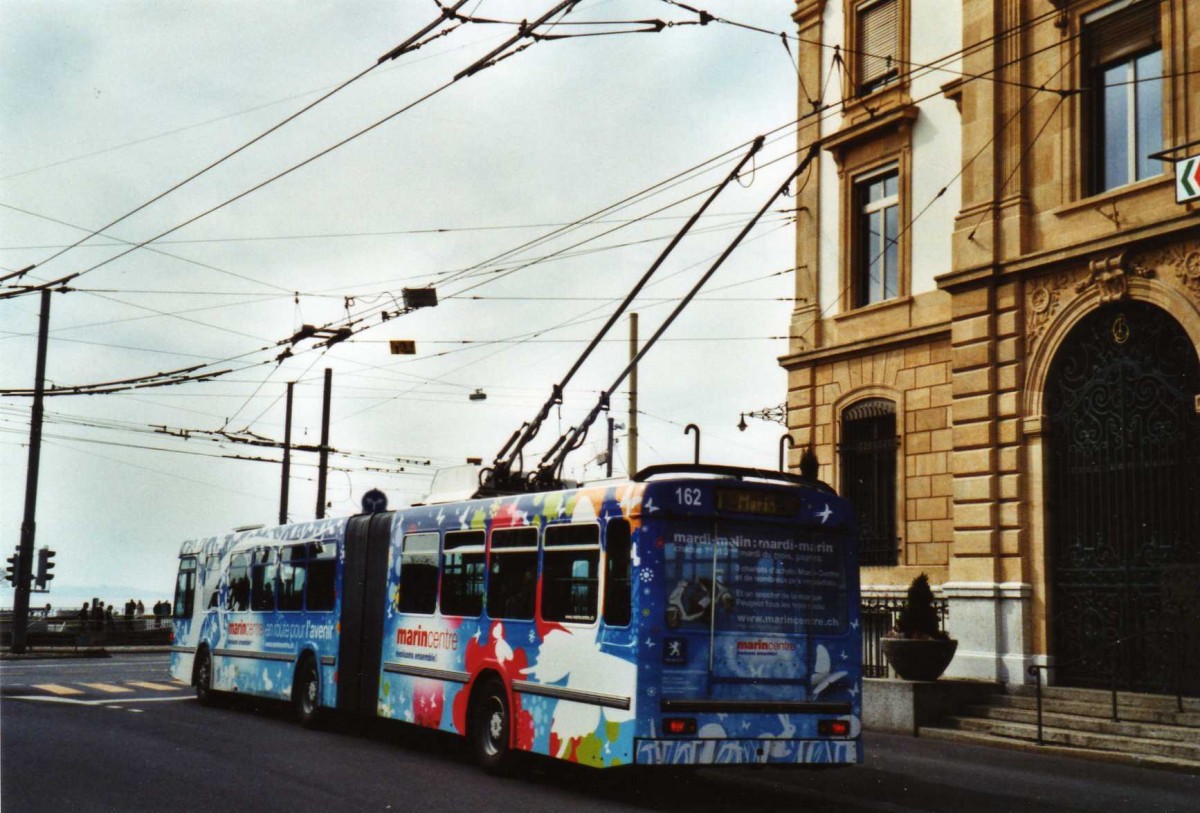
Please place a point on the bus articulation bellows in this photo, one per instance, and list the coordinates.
(693, 615)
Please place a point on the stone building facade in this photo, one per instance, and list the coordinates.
(995, 346)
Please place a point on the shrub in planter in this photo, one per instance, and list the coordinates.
(917, 649)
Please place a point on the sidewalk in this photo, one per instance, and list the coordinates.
(63, 653)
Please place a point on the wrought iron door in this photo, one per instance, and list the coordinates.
(1123, 512)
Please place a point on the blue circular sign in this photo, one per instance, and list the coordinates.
(374, 501)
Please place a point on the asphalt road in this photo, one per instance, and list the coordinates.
(151, 747)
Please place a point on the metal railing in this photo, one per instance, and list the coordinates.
(877, 617)
(1116, 647)
(68, 630)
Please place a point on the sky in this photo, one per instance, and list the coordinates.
(110, 104)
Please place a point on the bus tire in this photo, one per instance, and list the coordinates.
(202, 677)
(491, 727)
(306, 693)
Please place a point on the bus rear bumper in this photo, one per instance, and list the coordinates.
(746, 751)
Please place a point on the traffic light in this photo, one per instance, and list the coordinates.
(45, 564)
(13, 571)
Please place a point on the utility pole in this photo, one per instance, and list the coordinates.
(609, 455)
(287, 457)
(29, 524)
(323, 471)
(633, 409)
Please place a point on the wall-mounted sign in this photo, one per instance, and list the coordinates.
(1187, 179)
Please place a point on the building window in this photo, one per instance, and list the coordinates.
(868, 463)
(877, 41)
(1123, 49)
(877, 258)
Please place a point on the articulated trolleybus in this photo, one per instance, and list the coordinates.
(694, 615)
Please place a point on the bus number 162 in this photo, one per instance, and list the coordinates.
(688, 496)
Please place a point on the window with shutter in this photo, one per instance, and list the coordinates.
(878, 44)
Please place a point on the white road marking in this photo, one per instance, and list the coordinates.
(55, 688)
(108, 701)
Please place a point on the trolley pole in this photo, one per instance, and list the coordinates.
(28, 524)
(633, 409)
(323, 471)
(287, 457)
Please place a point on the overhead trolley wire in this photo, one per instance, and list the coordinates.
(492, 58)
(550, 467)
(501, 471)
(395, 52)
(1025, 56)
(821, 110)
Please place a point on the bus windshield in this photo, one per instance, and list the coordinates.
(769, 579)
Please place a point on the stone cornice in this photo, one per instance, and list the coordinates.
(836, 352)
(808, 11)
(898, 118)
(1181, 224)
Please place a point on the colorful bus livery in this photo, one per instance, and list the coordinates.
(695, 615)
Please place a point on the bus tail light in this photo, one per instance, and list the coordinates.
(833, 728)
(679, 726)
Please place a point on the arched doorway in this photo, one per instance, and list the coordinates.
(1123, 501)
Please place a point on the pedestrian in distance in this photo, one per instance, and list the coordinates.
(141, 609)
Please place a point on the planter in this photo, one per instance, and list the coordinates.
(919, 659)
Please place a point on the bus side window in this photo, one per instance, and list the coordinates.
(571, 573)
(185, 587)
(462, 573)
(292, 571)
(262, 580)
(239, 582)
(322, 577)
(418, 573)
(512, 584)
(617, 596)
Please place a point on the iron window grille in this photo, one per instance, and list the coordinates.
(868, 467)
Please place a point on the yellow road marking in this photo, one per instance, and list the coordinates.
(54, 688)
(108, 687)
(158, 687)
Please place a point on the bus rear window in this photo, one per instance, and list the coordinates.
(767, 579)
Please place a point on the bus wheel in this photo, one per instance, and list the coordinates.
(202, 674)
(306, 693)
(490, 725)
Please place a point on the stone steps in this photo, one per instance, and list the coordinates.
(1103, 697)
(1090, 723)
(1149, 730)
(1089, 708)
